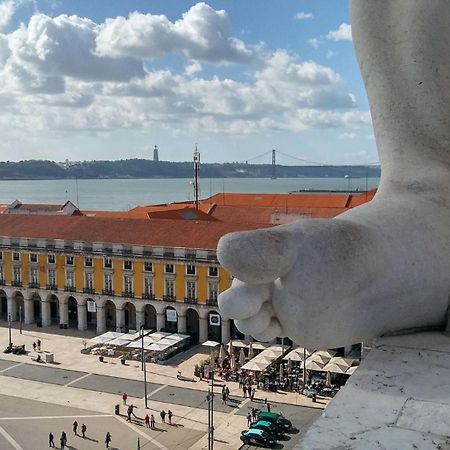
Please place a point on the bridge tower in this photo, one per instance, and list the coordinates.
(196, 175)
(155, 153)
(274, 164)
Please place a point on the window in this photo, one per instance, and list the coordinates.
(16, 256)
(51, 277)
(108, 282)
(148, 266)
(70, 279)
(190, 269)
(148, 286)
(128, 284)
(89, 283)
(16, 274)
(51, 259)
(107, 263)
(170, 288)
(2, 278)
(190, 289)
(69, 260)
(88, 261)
(169, 268)
(34, 275)
(128, 265)
(213, 291)
(33, 257)
(213, 271)
(1, 256)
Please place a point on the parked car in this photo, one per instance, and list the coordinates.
(268, 427)
(277, 419)
(255, 436)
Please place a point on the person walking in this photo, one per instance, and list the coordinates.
(244, 390)
(170, 415)
(34, 346)
(152, 421)
(83, 430)
(129, 412)
(51, 442)
(249, 419)
(75, 428)
(124, 398)
(63, 440)
(38, 342)
(147, 420)
(224, 397)
(252, 395)
(254, 414)
(108, 439)
(163, 416)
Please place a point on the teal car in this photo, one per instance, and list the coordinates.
(277, 419)
(258, 437)
(268, 427)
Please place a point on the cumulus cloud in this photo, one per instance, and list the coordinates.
(202, 34)
(314, 43)
(343, 33)
(303, 16)
(192, 68)
(7, 10)
(347, 136)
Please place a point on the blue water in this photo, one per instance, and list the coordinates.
(125, 194)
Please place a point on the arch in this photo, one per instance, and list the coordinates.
(110, 315)
(214, 326)
(130, 316)
(72, 306)
(171, 326)
(36, 308)
(192, 324)
(54, 308)
(3, 305)
(149, 317)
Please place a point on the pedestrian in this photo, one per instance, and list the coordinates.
(83, 430)
(244, 390)
(268, 407)
(170, 415)
(152, 421)
(108, 439)
(224, 397)
(124, 398)
(163, 416)
(75, 427)
(147, 421)
(241, 381)
(227, 391)
(63, 440)
(254, 414)
(38, 342)
(252, 395)
(51, 442)
(129, 412)
(34, 346)
(249, 419)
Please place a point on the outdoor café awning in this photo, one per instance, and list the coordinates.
(351, 370)
(120, 341)
(138, 344)
(293, 356)
(240, 344)
(254, 366)
(334, 368)
(313, 365)
(210, 344)
(158, 347)
(104, 338)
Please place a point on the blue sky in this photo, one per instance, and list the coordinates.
(109, 79)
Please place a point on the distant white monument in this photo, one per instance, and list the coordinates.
(384, 266)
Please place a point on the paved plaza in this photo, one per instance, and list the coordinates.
(43, 397)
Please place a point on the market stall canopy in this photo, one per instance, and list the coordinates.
(211, 343)
(104, 338)
(253, 366)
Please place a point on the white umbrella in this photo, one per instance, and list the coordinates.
(240, 344)
(119, 342)
(259, 346)
(313, 365)
(334, 368)
(210, 344)
(241, 357)
(233, 362)
(159, 335)
(289, 365)
(221, 354)
(138, 344)
(230, 347)
(293, 356)
(253, 366)
(158, 347)
(251, 353)
(351, 370)
(262, 359)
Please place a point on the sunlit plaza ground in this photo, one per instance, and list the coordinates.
(37, 398)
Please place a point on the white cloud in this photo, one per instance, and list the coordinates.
(192, 68)
(202, 34)
(347, 136)
(7, 10)
(304, 16)
(343, 33)
(314, 43)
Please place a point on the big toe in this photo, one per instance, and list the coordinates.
(259, 256)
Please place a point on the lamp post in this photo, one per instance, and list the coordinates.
(9, 329)
(143, 366)
(20, 318)
(210, 398)
(304, 368)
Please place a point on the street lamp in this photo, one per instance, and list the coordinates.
(20, 318)
(210, 398)
(143, 365)
(9, 329)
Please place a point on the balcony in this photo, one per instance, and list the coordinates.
(148, 296)
(128, 294)
(52, 287)
(70, 288)
(16, 283)
(88, 290)
(34, 285)
(192, 301)
(108, 292)
(169, 298)
(211, 301)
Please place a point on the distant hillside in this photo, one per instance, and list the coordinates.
(143, 168)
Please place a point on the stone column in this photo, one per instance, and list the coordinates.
(140, 319)
(64, 312)
(82, 316)
(225, 331)
(120, 319)
(247, 338)
(45, 310)
(12, 308)
(28, 312)
(101, 320)
(182, 323)
(202, 329)
(160, 321)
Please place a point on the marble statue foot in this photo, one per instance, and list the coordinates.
(327, 283)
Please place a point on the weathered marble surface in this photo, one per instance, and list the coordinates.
(399, 398)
